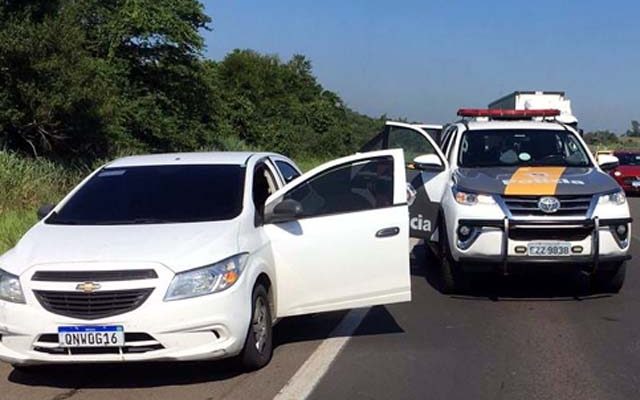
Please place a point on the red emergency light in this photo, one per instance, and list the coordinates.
(507, 114)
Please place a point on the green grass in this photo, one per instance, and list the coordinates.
(26, 184)
(13, 224)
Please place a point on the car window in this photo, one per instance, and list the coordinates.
(376, 143)
(628, 158)
(411, 141)
(363, 185)
(287, 170)
(446, 139)
(521, 147)
(264, 185)
(156, 194)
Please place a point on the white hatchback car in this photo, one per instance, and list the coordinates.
(194, 256)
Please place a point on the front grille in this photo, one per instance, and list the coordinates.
(570, 206)
(94, 276)
(92, 305)
(541, 233)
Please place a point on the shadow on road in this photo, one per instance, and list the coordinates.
(540, 283)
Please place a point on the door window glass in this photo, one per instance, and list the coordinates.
(359, 186)
(288, 172)
(411, 141)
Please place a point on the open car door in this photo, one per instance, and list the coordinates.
(426, 182)
(339, 235)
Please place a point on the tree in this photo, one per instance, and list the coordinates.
(92, 77)
(601, 138)
(635, 129)
(98, 78)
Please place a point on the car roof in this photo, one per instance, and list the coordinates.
(203, 158)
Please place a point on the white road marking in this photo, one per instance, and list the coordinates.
(311, 372)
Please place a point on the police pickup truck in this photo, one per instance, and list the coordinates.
(505, 189)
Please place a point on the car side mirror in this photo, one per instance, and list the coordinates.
(608, 162)
(285, 211)
(428, 162)
(45, 210)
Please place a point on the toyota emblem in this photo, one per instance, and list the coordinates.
(549, 205)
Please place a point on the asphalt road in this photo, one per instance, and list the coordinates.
(525, 337)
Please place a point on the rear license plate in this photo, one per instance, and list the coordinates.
(546, 249)
(91, 336)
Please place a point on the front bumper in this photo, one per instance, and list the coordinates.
(495, 242)
(201, 328)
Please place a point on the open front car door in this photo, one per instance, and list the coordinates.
(339, 235)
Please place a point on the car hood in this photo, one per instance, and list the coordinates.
(534, 180)
(179, 247)
(629, 170)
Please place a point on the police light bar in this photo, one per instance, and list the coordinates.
(507, 114)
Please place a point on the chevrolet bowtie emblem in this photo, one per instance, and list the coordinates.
(88, 287)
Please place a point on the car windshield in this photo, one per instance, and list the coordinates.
(156, 194)
(628, 158)
(520, 147)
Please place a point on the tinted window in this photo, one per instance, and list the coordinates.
(364, 185)
(434, 133)
(377, 143)
(628, 158)
(506, 147)
(156, 194)
(412, 142)
(446, 140)
(288, 172)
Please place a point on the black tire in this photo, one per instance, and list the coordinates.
(610, 281)
(258, 346)
(454, 280)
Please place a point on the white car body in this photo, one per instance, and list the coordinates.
(434, 176)
(493, 243)
(311, 264)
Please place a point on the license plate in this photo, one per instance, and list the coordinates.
(635, 184)
(91, 336)
(549, 249)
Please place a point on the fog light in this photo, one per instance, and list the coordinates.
(464, 232)
(577, 249)
(621, 230)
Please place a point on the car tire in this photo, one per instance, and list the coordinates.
(258, 346)
(610, 281)
(453, 277)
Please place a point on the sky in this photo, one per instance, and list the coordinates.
(425, 59)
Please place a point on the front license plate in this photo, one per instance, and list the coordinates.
(91, 336)
(554, 249)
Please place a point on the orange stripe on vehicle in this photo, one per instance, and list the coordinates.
(534, 181)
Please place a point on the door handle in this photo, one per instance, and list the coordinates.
(387, 232)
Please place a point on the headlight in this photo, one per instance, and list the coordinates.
(10, 289)
(617, 198)
(470, 199)
(206, 280)
(617, 173)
